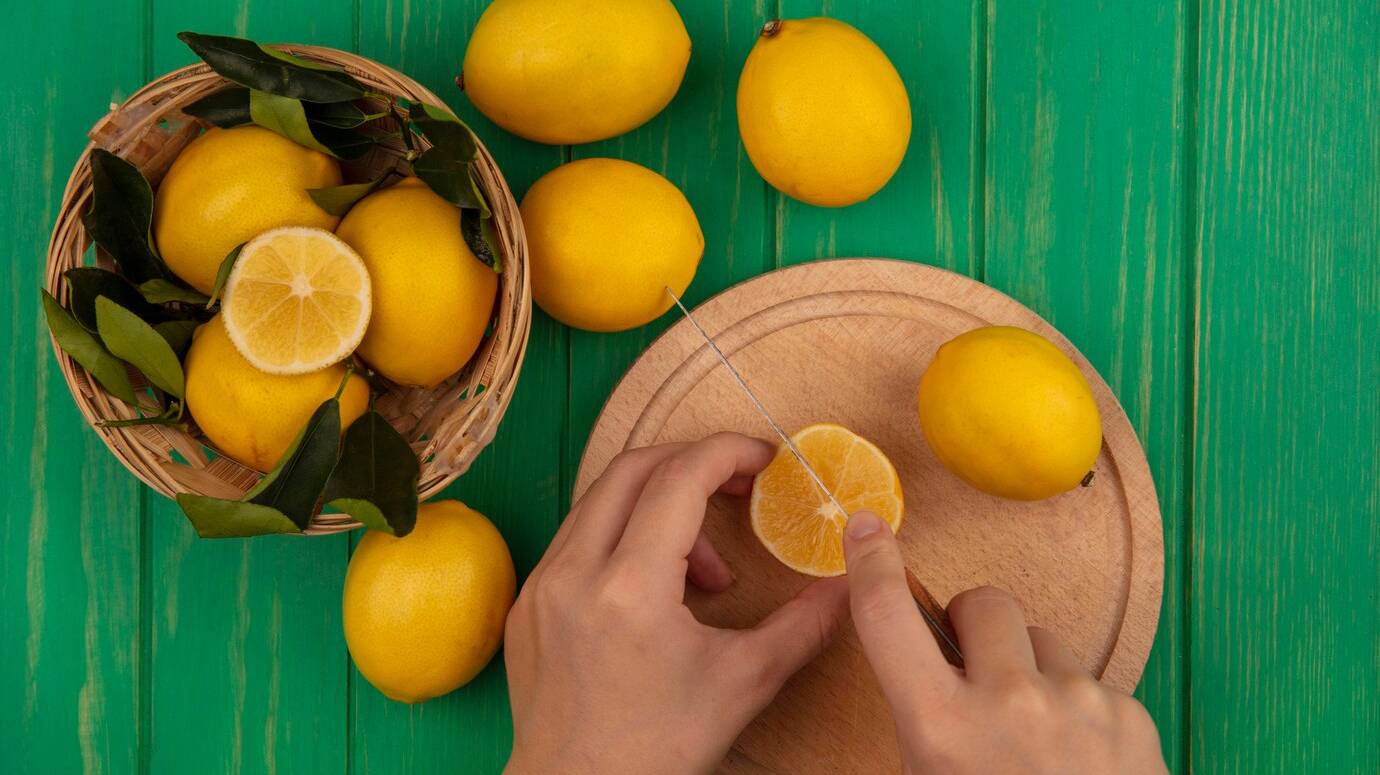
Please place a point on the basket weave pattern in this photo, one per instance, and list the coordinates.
(447, 426)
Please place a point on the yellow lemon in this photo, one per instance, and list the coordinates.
(251, 415)
(1009, 413)
(229, 185)
(424, 613)
(571, 71)
(606, 238)
(823, 113)
(431, 297)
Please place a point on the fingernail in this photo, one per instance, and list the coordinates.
(863, 524)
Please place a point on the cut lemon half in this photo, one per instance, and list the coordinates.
(797, 522)
(296, 301)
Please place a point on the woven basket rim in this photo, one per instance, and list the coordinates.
(448, 425)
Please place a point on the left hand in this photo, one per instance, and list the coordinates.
(608, 670)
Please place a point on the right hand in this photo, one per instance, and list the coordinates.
(1023, 704)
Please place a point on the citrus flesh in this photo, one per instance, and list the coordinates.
(797, 522)
(297, 300)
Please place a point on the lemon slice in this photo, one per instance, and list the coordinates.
(297, 300)
(796, 522)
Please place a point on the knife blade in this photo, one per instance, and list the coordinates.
(935, 615)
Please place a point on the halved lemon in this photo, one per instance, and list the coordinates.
(297, 300)
(797, 522)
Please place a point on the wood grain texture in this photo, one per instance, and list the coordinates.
(1087, 564)
(72, 650)
(1084, 222)
(1286, 479)
(247, 657)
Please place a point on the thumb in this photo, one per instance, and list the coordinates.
(896, 640)
(797, 632)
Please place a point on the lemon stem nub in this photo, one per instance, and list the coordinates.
(771, 28)
(1087, 480)
(460, 82)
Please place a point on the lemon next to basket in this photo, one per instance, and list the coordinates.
(570, 71)
(424, 613)
(297, 300)
(229, 185)
(823, 114)
(1009, 413)
(251, 415)
(797, 522)
(606, 238)
(431, 297)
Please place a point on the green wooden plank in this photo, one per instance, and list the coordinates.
(248, 659)
(926, 212)
(516, 481)
(1286, 632)
(71, 648)
(1084, 224)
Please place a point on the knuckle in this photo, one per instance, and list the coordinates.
(979, 596)
(1022, 697)
(619, 593)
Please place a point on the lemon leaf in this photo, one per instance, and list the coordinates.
(482, 238)
(223, 273)
(87, 283)
(446, 165)
(376, 478)
(138, 344)
(159, 291)
(337, 200)
(121, 215)
(87, 350)
(285, 116)
(294, 486)
(220, 518)
(177, 333)
(225, 108)
(270, 70)
(340, 115)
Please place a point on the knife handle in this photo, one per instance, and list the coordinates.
(937, 618)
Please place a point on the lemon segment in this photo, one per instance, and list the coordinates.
(297, 300)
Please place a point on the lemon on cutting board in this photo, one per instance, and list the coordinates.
(424, 613)
(227, 187)
(823, 113)
(569, 71)
(606, 237)
(1009, 413)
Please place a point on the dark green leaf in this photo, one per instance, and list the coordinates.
(284, 116)
(225, 108)
(294, 485)
(138, 344)
(161, 292)
(377, 468)
(177, 333)
(120, 216)
(341, 115)
(482, 238)
(220, 518)
(223, 273)
(337, 200)
(89, 282)
(87, 350)
(445, 166)
(348, 144)
(249, 64)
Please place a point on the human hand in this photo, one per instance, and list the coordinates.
(1023, 704)
(608, 671)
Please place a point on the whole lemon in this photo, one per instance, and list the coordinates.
(424, 613)
(571, 71)
(229, 185)
(606, 238)
(251, 415)
(432, 298)
(1009, 413)
(823, 113)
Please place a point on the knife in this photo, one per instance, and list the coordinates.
(934, 614)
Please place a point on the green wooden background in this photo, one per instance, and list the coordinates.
(1189, 190)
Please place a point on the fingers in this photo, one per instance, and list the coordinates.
(596, 522)
(898, 644)
(668, 514)
(707, 570)
(991, 633)
(797, 632)
(1052, 657)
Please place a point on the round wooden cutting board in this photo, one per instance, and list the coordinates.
(846, 341)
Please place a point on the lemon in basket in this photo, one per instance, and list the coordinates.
(228, 186)
(424, 613)
(432, 298)
(297, 300)
(606, 238)
(251, 415)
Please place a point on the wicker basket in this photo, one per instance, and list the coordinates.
(447, 425)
